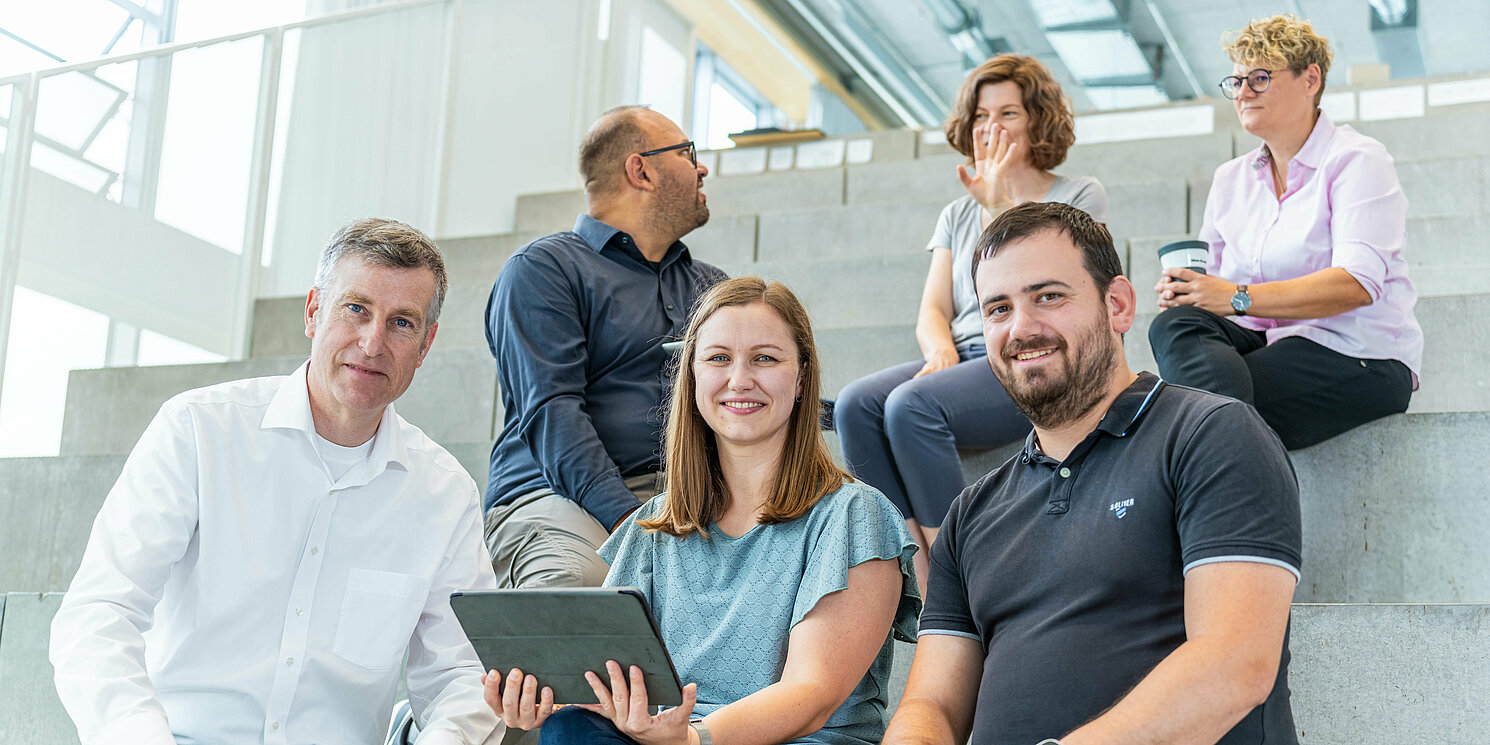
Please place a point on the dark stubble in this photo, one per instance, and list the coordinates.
(679, 209)
(1051, 402)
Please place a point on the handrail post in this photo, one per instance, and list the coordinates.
(18, 137)
(254, 228)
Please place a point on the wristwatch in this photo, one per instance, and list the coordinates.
(704, 738)
(1241, 301)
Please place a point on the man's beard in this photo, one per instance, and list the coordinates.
(680, 210)
(1054, 402)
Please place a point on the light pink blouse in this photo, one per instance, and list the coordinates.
(1343, 207)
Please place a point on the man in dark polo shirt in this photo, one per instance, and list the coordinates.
(1127, 578)
(576, 322)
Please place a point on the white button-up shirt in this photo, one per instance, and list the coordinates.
(233, 592)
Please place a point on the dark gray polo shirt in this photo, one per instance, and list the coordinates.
(1071, 573)
(576, 321)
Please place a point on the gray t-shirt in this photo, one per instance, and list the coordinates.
(960, 225)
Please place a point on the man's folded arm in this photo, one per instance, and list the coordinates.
(97, 648)
(542, 355)
(1236, 617)
(942, 693)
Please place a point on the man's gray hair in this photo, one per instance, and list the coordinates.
(385, 243)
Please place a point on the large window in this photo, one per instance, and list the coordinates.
(724, 103)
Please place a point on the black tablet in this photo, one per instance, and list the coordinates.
(556, 635)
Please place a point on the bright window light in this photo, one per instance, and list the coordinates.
(36, 368)
(663, 75)
(1066, 12)
(727, 114)
(1091, 55)
(74, 30)
(159, 349)
(1128, 97)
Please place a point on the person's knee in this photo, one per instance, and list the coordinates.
(1176, 322)
(857, 405)
(551, 558)
(572, 724)
(912, 410)
(536, 547)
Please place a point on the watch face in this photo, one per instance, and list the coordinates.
(1241, 301)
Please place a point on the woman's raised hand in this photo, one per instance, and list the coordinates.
(994, 153)
(626, 706)
(518, 703)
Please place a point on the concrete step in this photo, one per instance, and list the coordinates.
(1454, 375)
(1372, 673)
(1359, 673)
(737, 195)
(898, 227)
(452, 398)
(1445, 255)
(884, 292)
(1377, 529)
(1374, 531)
(1191, 158)
(49, 505)
(30, 711)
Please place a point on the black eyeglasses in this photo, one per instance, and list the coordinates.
(692, 151)
(1257, 80)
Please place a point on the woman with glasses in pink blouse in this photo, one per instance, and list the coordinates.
(1305, 310)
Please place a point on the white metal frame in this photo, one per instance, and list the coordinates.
(20, 135)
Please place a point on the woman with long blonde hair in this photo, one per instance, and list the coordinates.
(778, 581)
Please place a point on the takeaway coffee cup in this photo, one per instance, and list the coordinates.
(1184, 255)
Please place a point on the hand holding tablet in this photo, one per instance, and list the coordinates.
(544, 647)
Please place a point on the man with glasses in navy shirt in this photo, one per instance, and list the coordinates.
(576, 322)
(1127, 577)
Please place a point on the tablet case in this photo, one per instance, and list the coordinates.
(556, 635)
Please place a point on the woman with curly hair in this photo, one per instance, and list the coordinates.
(901, 427)
(1305, 310)
(777, 581)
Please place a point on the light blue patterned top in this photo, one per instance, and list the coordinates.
(727, 605)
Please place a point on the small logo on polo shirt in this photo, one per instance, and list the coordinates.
(1121, 508)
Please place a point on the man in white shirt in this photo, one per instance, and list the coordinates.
(274, 545)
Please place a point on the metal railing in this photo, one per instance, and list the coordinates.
(137, 188)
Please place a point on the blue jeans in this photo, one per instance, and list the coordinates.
(572, 724)
(901, 435)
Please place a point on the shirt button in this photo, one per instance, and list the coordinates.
(274, 725)
(1065, 473)
(290, 662)
(315, 551)
(671, 307)
(299, 611)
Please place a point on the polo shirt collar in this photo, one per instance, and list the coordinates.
(1124, 412)
(1130, 405)
(1311, 154)
(597, 235)
(290, 409)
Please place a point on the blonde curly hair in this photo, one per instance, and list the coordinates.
(1278, 42)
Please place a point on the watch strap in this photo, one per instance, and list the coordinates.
(704, 738)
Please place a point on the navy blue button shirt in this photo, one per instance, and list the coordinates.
(576, 321)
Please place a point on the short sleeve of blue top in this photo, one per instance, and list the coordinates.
(727, 605)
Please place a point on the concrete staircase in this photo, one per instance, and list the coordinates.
(1394, 512)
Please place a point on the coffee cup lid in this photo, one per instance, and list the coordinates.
(1183, 246)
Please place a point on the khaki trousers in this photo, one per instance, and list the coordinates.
(543, 539)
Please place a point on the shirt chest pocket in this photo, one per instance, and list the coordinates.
(378, 614)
